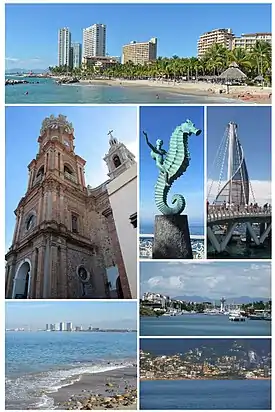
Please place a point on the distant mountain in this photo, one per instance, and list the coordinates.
(20, 70)
(237, 300)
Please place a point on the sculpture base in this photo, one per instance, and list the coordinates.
(172, 238)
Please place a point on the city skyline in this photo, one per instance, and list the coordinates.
(123, 120)
(25, 49)
(108, 314)
(206, 279)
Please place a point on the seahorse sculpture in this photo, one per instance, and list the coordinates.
(172, 165)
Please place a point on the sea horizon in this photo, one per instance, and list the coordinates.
(39, 364)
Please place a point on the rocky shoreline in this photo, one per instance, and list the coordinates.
(115, 389)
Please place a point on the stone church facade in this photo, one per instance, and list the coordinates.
(65, 236)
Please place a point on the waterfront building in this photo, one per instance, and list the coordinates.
(47, 326)
(94, 40)
(76, 55)
(64, 47)
(219, 36)
(100, 62)
(67, 237)
(52, 327)
(61, 326)
(140, 53)
(248, 41)
(69, 327)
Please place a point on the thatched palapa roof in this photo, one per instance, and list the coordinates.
(233, 73)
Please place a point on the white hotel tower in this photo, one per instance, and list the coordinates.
(94, 41)
(64, 46)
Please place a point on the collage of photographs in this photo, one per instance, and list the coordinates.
(138, 205)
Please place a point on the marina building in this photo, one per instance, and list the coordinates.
(220, 36)
(94, 40)
(70, 237)
(64, 47)
(248, 41)
(140, 53)
(76, 50)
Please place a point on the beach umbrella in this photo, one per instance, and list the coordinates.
(232, 73)
(259, 78)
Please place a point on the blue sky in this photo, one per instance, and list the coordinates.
(207, 279)
(97, 314)
(91, 126)
(159, 123)
(31, 29)
(254, 131)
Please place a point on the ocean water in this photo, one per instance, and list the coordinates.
(206, 394)
(202, 325)
(195, 229)
(47, 91)
(241, 251)
(39, 363)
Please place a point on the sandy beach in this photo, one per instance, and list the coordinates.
(96, 389)
(249, 94)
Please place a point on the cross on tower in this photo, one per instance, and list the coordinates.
(110, 134)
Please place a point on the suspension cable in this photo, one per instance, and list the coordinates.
(218, 155)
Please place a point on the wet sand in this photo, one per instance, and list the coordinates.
(248, 94)
(97, 384)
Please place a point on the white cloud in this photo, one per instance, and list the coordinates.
(207, 279)
(12, 59)
(261, 190)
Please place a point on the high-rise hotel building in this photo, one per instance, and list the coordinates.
(248, 41)
(94, 41)
(64, 47)
(220, 36)
(76, 55)
(140, 53)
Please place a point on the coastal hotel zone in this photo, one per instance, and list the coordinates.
(92, 51)
(71, 240)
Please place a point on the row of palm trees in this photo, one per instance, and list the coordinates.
(253, 63)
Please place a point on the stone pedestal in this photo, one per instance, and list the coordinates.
(172, 237)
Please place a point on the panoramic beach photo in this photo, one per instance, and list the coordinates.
(76, 355)
(239, 209)
(83, 54)
(208, 374)
(71, 217)
(171, 182)
(205, 299)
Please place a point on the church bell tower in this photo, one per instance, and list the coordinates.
(52, 253)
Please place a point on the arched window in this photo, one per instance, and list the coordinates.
(40, 172)
(30, 222)
(116, 161)
(67, 169)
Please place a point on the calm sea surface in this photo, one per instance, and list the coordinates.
(215, 394)
(202, 325)
(49, 92)
(148, 228)
(38, 363)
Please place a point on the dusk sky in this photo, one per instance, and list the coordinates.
(206, 279)
(159, 123)
(106, 314)
(254, 133)
(91, 125)
(32, 45)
